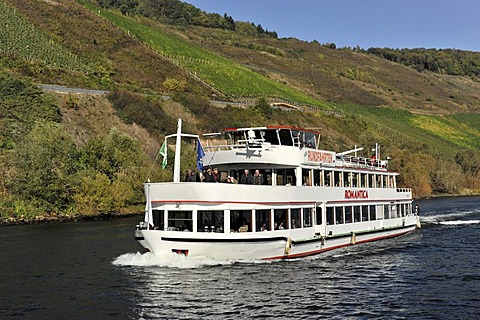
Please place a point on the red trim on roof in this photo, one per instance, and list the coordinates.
(272, 127)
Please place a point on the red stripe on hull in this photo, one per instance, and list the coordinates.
(315, 252)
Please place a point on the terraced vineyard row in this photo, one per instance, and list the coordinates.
(230, 78)
(21, 38)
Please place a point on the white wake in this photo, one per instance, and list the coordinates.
(173, 260)
(457, 218)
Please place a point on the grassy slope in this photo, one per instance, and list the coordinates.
(332, 75)
(228, 77)
(343, 76)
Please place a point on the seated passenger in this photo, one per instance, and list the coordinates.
(294, 224)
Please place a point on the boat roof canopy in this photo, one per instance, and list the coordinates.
(274, 135)
(293, 128)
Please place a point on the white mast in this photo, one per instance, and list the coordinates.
(176, 168)
(179, 135)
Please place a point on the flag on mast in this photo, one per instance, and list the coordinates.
(163, 152)
(200, 155)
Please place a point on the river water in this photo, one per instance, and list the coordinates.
(94, 270)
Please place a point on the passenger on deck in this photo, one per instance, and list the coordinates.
(192, 176)
(258, 178)
(294, 224)
(216, 176)
(306, 181)
(246, 178)
(231, 180)
(209, 176)
(417, 210)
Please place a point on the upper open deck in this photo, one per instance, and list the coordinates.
(279, 145)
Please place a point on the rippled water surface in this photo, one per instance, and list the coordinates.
(94, 270)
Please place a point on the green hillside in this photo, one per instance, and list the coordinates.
(156, 72)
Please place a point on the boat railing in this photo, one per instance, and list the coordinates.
(362, 161)
(257, 144)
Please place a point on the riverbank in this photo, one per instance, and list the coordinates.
(61, 218)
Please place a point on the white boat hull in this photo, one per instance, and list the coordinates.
(262, 245)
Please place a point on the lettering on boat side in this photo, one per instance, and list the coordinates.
(319, 156)
(356, 194)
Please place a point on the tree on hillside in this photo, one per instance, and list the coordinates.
(44, 163)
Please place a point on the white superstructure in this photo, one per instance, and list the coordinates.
(310, 200)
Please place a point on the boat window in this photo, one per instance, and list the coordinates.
(378, 184)
(379, 211)
(348, 214)
(400, 210)
(307, 217)
(158, 219)
(364, 213)
(355, 180)
(371, 181)
(408, 209)
(393, 211)
(306, 177)
(268, 176)
(241, 220)
(356, 213)
(295, 221)
(263, 220)
(372, 213)
(363, 180)
(338, 180)
(297, 138)
(317, 178)
(319, 215)
(328, 179)
(386, 211)
(234, 137)
(339, 218)
(271, 136)
(209, 221)
(280, 219)
(347, 178)
(285, 177)
(285, 137)
(310, 140)
(180, 220)
(330, 216)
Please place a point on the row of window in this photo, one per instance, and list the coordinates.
(350, 214)
(322, 178)
(333, 178)
(240, 220)
(275, 219)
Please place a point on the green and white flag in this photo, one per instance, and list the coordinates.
(163, 152)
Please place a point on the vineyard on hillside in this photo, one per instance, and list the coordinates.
(230, 78)
(21, 38)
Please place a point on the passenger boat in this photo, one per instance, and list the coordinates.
(309, 200)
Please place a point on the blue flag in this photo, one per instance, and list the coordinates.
(200, 155)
